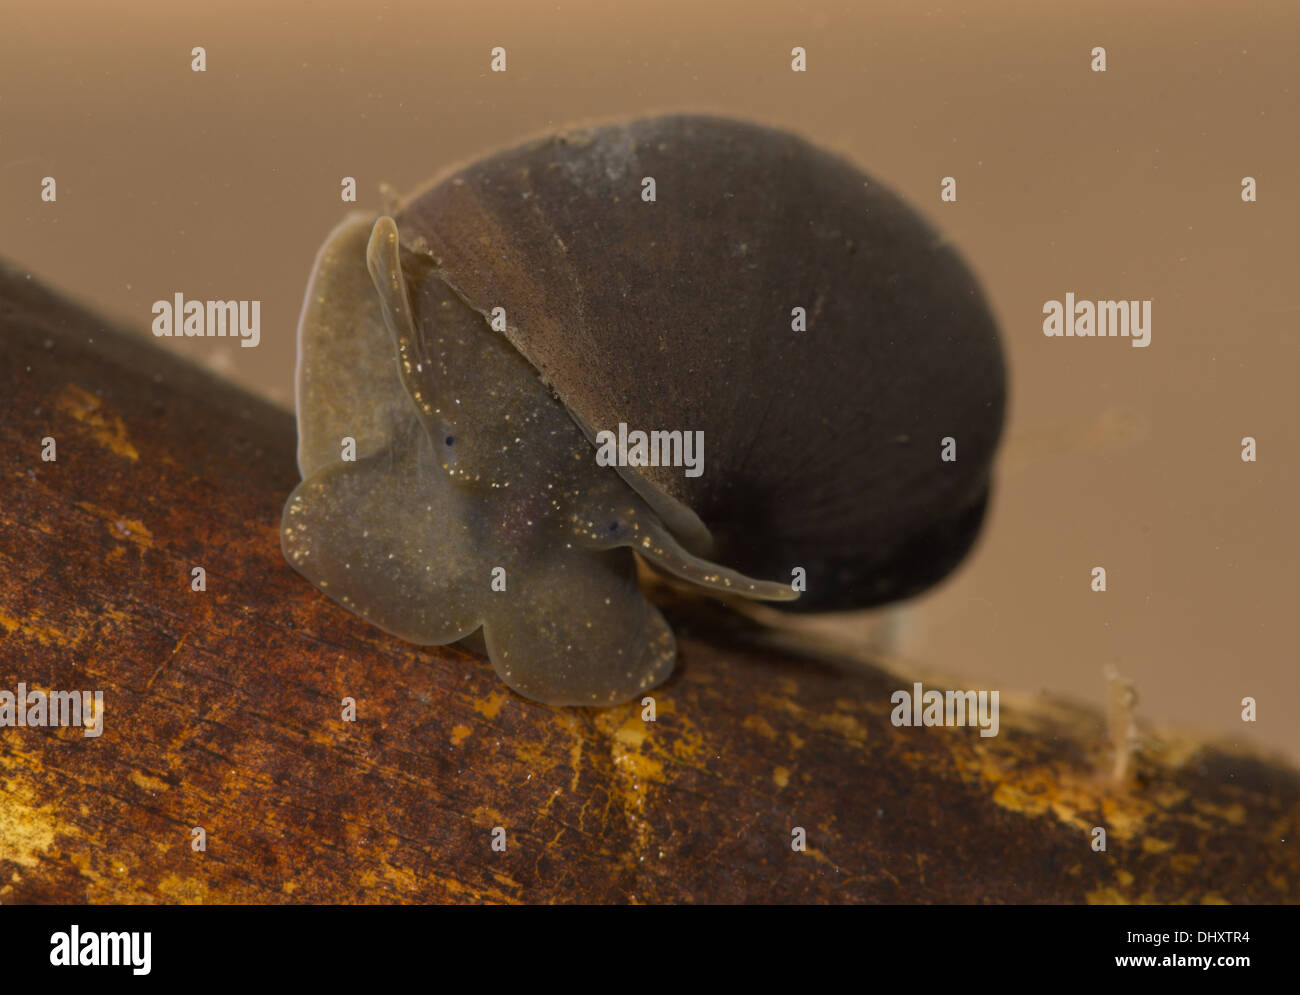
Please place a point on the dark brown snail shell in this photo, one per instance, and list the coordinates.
(475, 499)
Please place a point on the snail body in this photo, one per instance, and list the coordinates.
(478, 343)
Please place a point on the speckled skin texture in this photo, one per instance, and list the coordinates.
(473, 455)
(466, 465)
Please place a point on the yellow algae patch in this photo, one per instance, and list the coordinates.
(631, 733)
(504, 879)
(120, 528)
(1106, 896)
(1278, 880)
(681, 737)
(26, 830)
(1185, 863)
(183, 891)
(81, 861)
(1169, 797)
(321, 737)
(575, 761)
(105, 426)
(490, 706)
(635, 768)
(576, 734)
(103, 887)
(465, 892)
(760, 725)
(401, 878)
(459, 734)
(1081, 795)
(42, 634)
(148, 782)
(627, 740)
(1234, 813)
(1076, 798)
(781, 777)
(540, 758)
(844, 724)
(490, 817)
(133, 529)
(688, 744)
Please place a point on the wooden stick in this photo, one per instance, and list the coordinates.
(223, 711)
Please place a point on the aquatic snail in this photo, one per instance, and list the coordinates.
(678, 273)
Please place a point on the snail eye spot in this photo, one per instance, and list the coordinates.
(450, 440)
